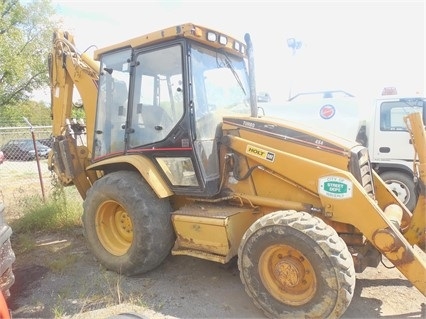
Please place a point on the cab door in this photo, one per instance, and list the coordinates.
(111, 112)
(157, 95)
(391, 139)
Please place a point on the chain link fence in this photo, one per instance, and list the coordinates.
(22, 173)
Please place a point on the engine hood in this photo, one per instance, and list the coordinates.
(291, 132)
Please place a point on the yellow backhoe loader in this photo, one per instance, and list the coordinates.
(172, 158)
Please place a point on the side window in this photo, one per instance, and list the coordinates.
(158, 95)
(397, 119)
(392, 115)
(112, 103)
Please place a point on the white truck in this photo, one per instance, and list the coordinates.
(378, 125)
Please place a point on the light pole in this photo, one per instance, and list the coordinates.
(294, 45)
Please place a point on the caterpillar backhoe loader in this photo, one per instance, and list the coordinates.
(172, 158)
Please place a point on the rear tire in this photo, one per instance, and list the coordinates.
(127, 227)
(402, 185)
(294, 265)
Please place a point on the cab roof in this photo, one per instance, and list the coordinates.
(198, 33)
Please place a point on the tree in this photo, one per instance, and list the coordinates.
(25, 37)
(36, 112)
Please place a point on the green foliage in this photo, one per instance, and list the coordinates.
(59, 265)
(23, 242)
(78, 112)
(37, 113)
(25, 35)
(61, 211)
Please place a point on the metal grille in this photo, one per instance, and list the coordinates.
(361, 168)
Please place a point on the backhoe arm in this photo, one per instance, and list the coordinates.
(69, 69)
(415, 233)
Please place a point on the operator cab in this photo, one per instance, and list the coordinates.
(166, 102)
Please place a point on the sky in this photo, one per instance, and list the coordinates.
(356, 46)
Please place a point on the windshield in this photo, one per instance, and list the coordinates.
(219, 88)
(220, 83)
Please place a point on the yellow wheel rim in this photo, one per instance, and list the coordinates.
(114, 228)
(287, 274)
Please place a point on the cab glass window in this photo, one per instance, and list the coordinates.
(220, 87)
(112, 103)
(392, 115)
(158, 95)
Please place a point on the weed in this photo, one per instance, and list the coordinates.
(61, 264)
(137, 299)
(114, 285)
(23, 243)
(58, 311)
(56, 213)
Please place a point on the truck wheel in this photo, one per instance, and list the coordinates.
(402, 185)
(294, 265)
(127, 227)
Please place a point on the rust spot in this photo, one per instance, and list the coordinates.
(390, 245)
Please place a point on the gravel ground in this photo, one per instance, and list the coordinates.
(59, 278)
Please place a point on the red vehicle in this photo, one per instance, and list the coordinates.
(7, 258)
(4, 310)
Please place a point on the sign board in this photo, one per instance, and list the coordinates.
(335, 187)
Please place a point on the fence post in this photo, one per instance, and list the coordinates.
(37, 159)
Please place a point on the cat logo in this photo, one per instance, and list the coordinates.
(269, 156)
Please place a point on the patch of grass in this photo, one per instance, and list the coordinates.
(23, 243)
(58, 311)
(60, 211)
(59, 265)
(138, 300)
(114, 282)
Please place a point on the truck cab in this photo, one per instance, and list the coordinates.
(378, 125)
(390, 144)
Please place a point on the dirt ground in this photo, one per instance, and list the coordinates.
(59, 278)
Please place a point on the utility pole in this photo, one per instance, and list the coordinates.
(294, 45)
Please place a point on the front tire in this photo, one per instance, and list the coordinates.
(294, 265)
(127, 227)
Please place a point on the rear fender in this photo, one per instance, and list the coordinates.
(144, 166)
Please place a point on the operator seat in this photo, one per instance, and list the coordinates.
(119, 94)
(157, 124)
